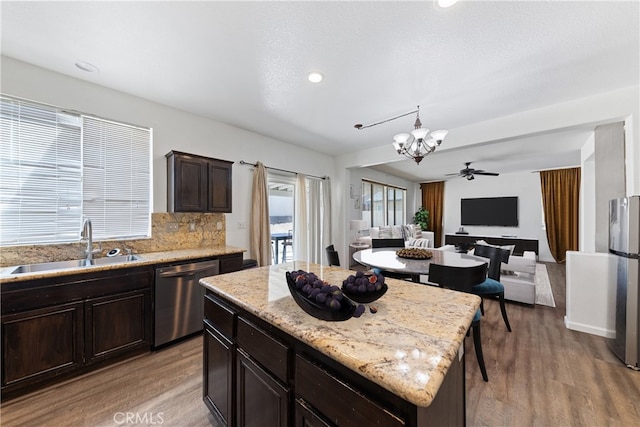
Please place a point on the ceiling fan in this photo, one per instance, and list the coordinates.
(469, 173)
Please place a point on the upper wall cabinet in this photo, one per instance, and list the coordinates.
(197, 184)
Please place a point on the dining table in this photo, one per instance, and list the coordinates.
(386, 259)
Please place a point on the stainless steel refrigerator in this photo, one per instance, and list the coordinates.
(624, 244)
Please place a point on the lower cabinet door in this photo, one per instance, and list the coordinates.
(262, 400)
(306, 417)
(41, 344)
(219, 369)
(117, 324)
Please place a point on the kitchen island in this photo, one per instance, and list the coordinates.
(267, 361)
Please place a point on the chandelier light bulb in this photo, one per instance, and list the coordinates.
(420, 133)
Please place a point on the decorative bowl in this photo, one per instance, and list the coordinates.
(366, 297)
(414, 253)
(317, 310)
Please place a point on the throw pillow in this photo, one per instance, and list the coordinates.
(418, 243)
(385, 233)
(374, 232)
(417, 231)
(396, 232)
(407, 232)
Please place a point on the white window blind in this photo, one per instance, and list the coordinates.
(58, 167)
(116, 180)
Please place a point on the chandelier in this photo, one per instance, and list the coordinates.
(417, 144)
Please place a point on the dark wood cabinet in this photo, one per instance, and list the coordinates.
(42, 343)
(219, 364)
(230, 263)
(116, 324)
(197, 183)
(257, 375)
(307, 417)
(62, 326)
(261, 400)
(468, 241)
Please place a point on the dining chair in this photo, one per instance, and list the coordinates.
(491, 286)
(332, 256)
(392, 243)
(463, 279)
(387, 243)
(287, 242)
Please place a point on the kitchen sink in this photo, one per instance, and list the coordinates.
(75, 263)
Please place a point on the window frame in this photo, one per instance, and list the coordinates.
(388, 219)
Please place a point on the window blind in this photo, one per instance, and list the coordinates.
(116, 178)
(40, 174)
(57, 167)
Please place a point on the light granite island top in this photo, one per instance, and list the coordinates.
(407, 347)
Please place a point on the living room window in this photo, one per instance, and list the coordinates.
(383, 204)
(57, 167)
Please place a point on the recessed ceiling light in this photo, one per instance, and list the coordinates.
(315, 77)
(87, 66)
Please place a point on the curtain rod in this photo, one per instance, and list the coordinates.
(242, 162)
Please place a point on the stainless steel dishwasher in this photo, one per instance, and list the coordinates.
(179, 300)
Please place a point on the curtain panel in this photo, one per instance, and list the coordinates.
(560, 201)
(300, 220)
(260, 233)
(433, 201)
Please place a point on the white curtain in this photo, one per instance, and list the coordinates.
(300, 220)
(312, 219)
(314, 223)
(260, 229)
(326, 214)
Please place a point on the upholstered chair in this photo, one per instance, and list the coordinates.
(491, 286)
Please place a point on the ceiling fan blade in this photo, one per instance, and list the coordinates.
(486, 173)
(452, 174)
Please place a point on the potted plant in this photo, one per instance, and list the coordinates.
(422, 218)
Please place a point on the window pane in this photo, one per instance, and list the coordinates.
(399, 206)
(377, 204)
(281, 209)
(366, 202)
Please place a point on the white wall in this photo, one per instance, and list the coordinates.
(591, 293)
(172, 130)
(526, 186)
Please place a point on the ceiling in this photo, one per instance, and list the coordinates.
(246, 64)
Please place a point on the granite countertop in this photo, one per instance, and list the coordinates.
(146, 259)
(406, 347)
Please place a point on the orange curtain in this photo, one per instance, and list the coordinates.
(560, 199)
(433, 200)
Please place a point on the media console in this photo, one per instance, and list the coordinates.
(521, 244)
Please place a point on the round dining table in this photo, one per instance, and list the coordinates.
(386, 259)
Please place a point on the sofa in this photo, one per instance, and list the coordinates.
(413, 236)
(518, 276)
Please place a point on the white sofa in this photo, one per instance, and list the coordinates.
(518, 276)
(411, 236)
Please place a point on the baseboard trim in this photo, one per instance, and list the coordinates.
(589, 329)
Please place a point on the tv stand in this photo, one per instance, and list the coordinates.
(521, 244)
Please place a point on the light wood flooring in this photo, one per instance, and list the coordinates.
(541, 374)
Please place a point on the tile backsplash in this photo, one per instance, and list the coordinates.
(169, 231)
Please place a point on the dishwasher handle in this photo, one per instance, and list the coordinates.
(186, 272)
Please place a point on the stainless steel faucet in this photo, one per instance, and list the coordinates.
(87, 233)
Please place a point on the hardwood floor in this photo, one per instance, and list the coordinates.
(541, 374)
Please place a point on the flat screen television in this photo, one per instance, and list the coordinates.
(497, 211)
